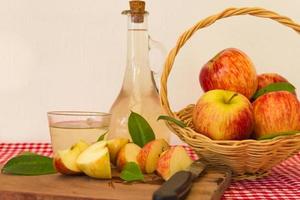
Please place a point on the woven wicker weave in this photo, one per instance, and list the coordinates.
(247, 158)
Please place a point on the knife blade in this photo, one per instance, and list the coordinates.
(179, 185)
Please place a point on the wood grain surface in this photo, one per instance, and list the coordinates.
(210, 185)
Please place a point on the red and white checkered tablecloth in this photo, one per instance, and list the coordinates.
(283, 181)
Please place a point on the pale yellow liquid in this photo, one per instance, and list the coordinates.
(65, 134)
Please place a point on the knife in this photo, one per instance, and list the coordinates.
(179, 185)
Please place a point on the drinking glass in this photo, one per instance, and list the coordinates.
(68, 127)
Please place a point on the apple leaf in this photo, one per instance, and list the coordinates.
(171, 119)
(140, 131)
(282, 86)
(29, 164)
(273, 135)
(132, 172)
(27, 153)
(102, 137)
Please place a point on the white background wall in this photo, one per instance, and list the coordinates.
(70, 54)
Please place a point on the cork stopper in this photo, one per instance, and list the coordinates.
(137, 10)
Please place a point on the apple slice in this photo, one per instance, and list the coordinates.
(128, 153)
(149, 155)
(173, 160)
(114, 146)
(64, 161)
(94, 161)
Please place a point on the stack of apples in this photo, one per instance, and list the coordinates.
(228, 110)
(96, 160)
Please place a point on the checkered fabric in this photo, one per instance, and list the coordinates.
(8, 150)
(283, 181)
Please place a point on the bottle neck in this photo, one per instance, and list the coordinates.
(138, 77)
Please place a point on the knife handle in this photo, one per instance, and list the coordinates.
(177, 187)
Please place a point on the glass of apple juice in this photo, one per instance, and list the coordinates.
(68, 127)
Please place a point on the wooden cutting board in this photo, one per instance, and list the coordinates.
(210, 185)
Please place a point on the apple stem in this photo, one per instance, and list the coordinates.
(230, 99)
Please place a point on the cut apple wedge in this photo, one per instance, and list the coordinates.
(65, 161)
(94, 161)
(114, 146)
(149, 155)
(173, 160)
(128, 153)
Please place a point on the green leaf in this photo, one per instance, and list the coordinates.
(171, 119)
(29, 164)
(27, 153)
(102, 137)
(140, 131)
(132, 172)
(282, 86)
(273, 135)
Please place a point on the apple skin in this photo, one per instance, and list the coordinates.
(61, 167)
(231, 69)
(269, 78)
(163, 164)
(128, 153)
(149, 155)
(114, 146)
(218, 119)
(173, 160)
(276, 112)
(64, 161)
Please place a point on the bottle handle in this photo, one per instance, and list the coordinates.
(156, 60)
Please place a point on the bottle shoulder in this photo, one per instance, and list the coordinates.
(149, 102)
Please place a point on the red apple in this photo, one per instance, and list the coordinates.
(223, 115)
(148, 156)
(173, 160)
(231, 69)
(64, 161)
(276, 112)
(269, 78)
(128, 153)
(114, 146)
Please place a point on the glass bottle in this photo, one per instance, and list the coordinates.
(138, 93)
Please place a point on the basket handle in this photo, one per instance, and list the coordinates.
(254, 11)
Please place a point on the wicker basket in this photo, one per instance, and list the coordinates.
(247, 158)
